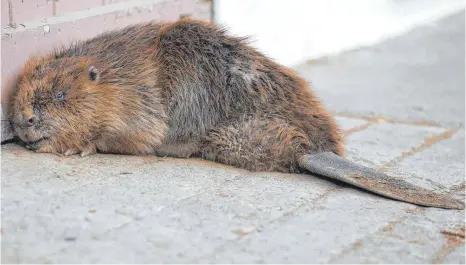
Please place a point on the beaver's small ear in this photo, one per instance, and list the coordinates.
(94, 74)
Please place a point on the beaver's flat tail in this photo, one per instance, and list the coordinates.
(332, 166)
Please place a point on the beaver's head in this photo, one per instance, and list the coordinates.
(51, 102)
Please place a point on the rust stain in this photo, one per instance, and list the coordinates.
(388, 228)
(386, 120)
(453, 239)
(244, 232)
(92, 211)
(357, 244)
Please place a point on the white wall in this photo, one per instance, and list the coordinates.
(292, 31)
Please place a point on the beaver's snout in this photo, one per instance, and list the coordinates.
(30, 121)
(29, 129)
(26, 120)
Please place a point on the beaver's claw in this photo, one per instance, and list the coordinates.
(70, 152)
(85, 152)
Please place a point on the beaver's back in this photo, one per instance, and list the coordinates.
(215, 79)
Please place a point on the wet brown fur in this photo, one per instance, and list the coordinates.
(181, 89)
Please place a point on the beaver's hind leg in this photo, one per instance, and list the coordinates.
(256, 144)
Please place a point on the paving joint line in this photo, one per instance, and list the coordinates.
(378, 119)
(322, 197)
(428, 142)
(357, 129)
(358, 243)
(388, 227)
(453, 239)
(445, 250)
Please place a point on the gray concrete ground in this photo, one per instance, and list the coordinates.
(401, 105)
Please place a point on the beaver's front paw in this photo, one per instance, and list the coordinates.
(89, 151)
(40, 147)
(70, 152)
(84, 152)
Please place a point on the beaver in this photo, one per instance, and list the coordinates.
(187, 89)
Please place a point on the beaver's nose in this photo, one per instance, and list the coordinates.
(30, 120)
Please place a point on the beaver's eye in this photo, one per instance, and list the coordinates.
(59, 95)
